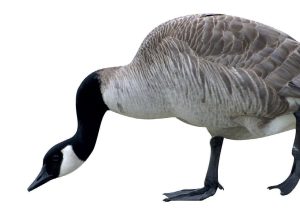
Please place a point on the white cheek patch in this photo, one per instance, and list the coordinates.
(70, 161)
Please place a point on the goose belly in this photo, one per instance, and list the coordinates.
(204, 116)
(221, 120)
(208, 120)
(243, 132)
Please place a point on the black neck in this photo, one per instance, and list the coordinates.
(90, 111)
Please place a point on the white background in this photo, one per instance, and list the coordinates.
(46, 50)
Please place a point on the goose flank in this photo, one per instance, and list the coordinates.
(236, 77)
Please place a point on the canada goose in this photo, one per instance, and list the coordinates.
(238, 78)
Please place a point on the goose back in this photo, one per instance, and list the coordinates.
(234, 42)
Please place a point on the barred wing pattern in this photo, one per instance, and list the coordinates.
(232, 51)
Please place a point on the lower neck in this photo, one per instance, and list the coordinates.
(90, 111)
(133, 91)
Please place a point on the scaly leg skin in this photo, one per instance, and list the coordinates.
(211, 183)
(291, 182)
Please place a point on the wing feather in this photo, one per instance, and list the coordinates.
(235, 42)
(240, 91)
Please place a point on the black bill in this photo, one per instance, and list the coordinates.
(41, 179)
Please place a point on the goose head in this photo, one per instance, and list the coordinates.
(65, 157)
(60, 160)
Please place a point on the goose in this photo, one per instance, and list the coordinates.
(238, 78)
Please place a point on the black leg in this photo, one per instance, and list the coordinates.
(211, 183)
(291, 182)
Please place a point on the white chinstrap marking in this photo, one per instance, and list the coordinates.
(70, 161)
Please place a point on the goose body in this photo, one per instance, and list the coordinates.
(225, 73)
(238, 78)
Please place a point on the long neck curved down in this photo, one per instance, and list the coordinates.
(90, 109)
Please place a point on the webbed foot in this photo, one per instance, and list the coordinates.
(192, 194)
(291, 182)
